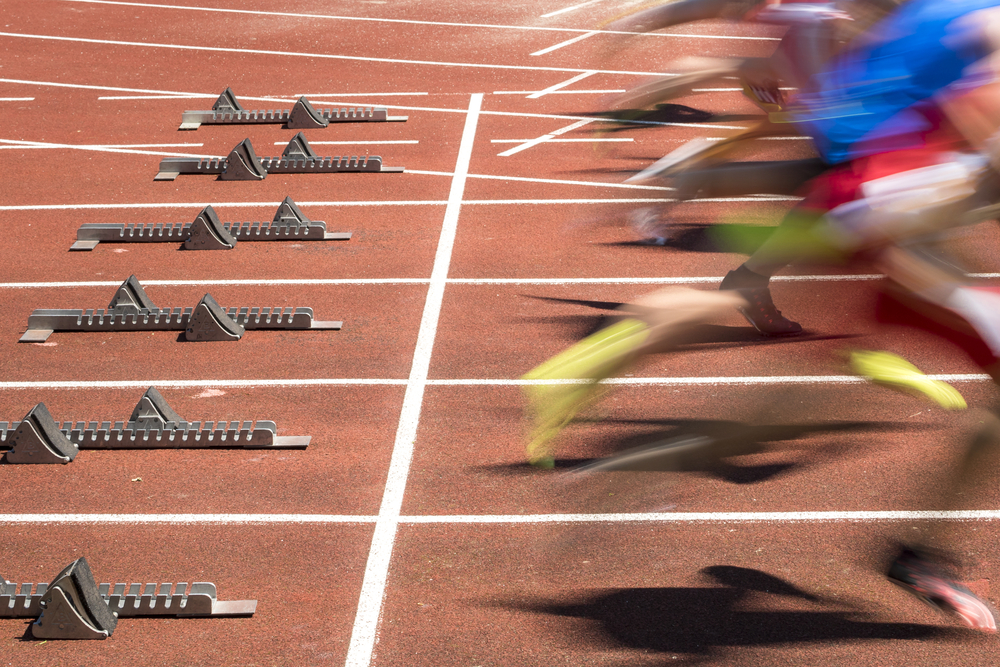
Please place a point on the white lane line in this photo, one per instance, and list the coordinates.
(570, 9)
(199, 384)
(83, 207)
(560, 92)
(156, 97)
(720, 517)
(319, 56)
(419, 202)
(16, 99)
(724, 381)
(271, 282)
(98, 149)
(562, 84)
(544, 138)
(557, 141)
(365, 632)
(35, 145)
(326, 95)
(834, 516)
(571, 40)
(291, 100)
(354, 143)
(410, 21)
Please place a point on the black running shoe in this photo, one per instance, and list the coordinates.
(927, 581)
(765, 318)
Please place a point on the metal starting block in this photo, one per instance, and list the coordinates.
(132, 310)
(227, 111)
(38, 438)
(208, 233)
(74, 606)
(244, 165)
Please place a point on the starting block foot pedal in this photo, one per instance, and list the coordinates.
(37, 439)
(210, 322)
(73, 608)
(152, 410)
(304, 116)
(243, 164)
(208, 233)
(131, 297)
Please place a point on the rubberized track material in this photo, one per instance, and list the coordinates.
(439, 547)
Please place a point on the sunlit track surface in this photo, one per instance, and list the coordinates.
(410, 531)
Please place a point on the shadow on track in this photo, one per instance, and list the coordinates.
(704, 446)
(736, 612)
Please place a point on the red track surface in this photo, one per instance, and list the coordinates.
(459, 591)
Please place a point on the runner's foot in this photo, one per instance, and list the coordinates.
(926, 580)
(897, 373)
(760, 310)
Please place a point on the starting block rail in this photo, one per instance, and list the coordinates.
(132, 310)
(134, 600)
(74, 606)
(242, 164)
(207, 232)
(38, 438)
(228, 111)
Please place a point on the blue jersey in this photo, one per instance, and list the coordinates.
(866, 93)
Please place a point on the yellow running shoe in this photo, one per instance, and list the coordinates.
(895, 372)
(585, 364)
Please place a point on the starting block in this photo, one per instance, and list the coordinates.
(132, 310)
(242, 164)
(227, 111)
(38, 438)
(74, 606)
(208, 233)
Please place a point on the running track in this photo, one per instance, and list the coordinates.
(410, 532)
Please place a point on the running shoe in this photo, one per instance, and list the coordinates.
(897, 373)
(580, 368)
(926, 580)
(760, 311)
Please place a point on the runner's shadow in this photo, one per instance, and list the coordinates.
(707, 447)
(707, 238)
(739, 611)
(632, 119)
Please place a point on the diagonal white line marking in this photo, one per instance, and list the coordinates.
(409, 21)
(553, 140)
(366, 622)
(570, 9)
(572, 40)
(526, 145)
(545, 137)
(302, 54)
(98, 149)
(291, 100)
(34, 145)
(563, 84)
